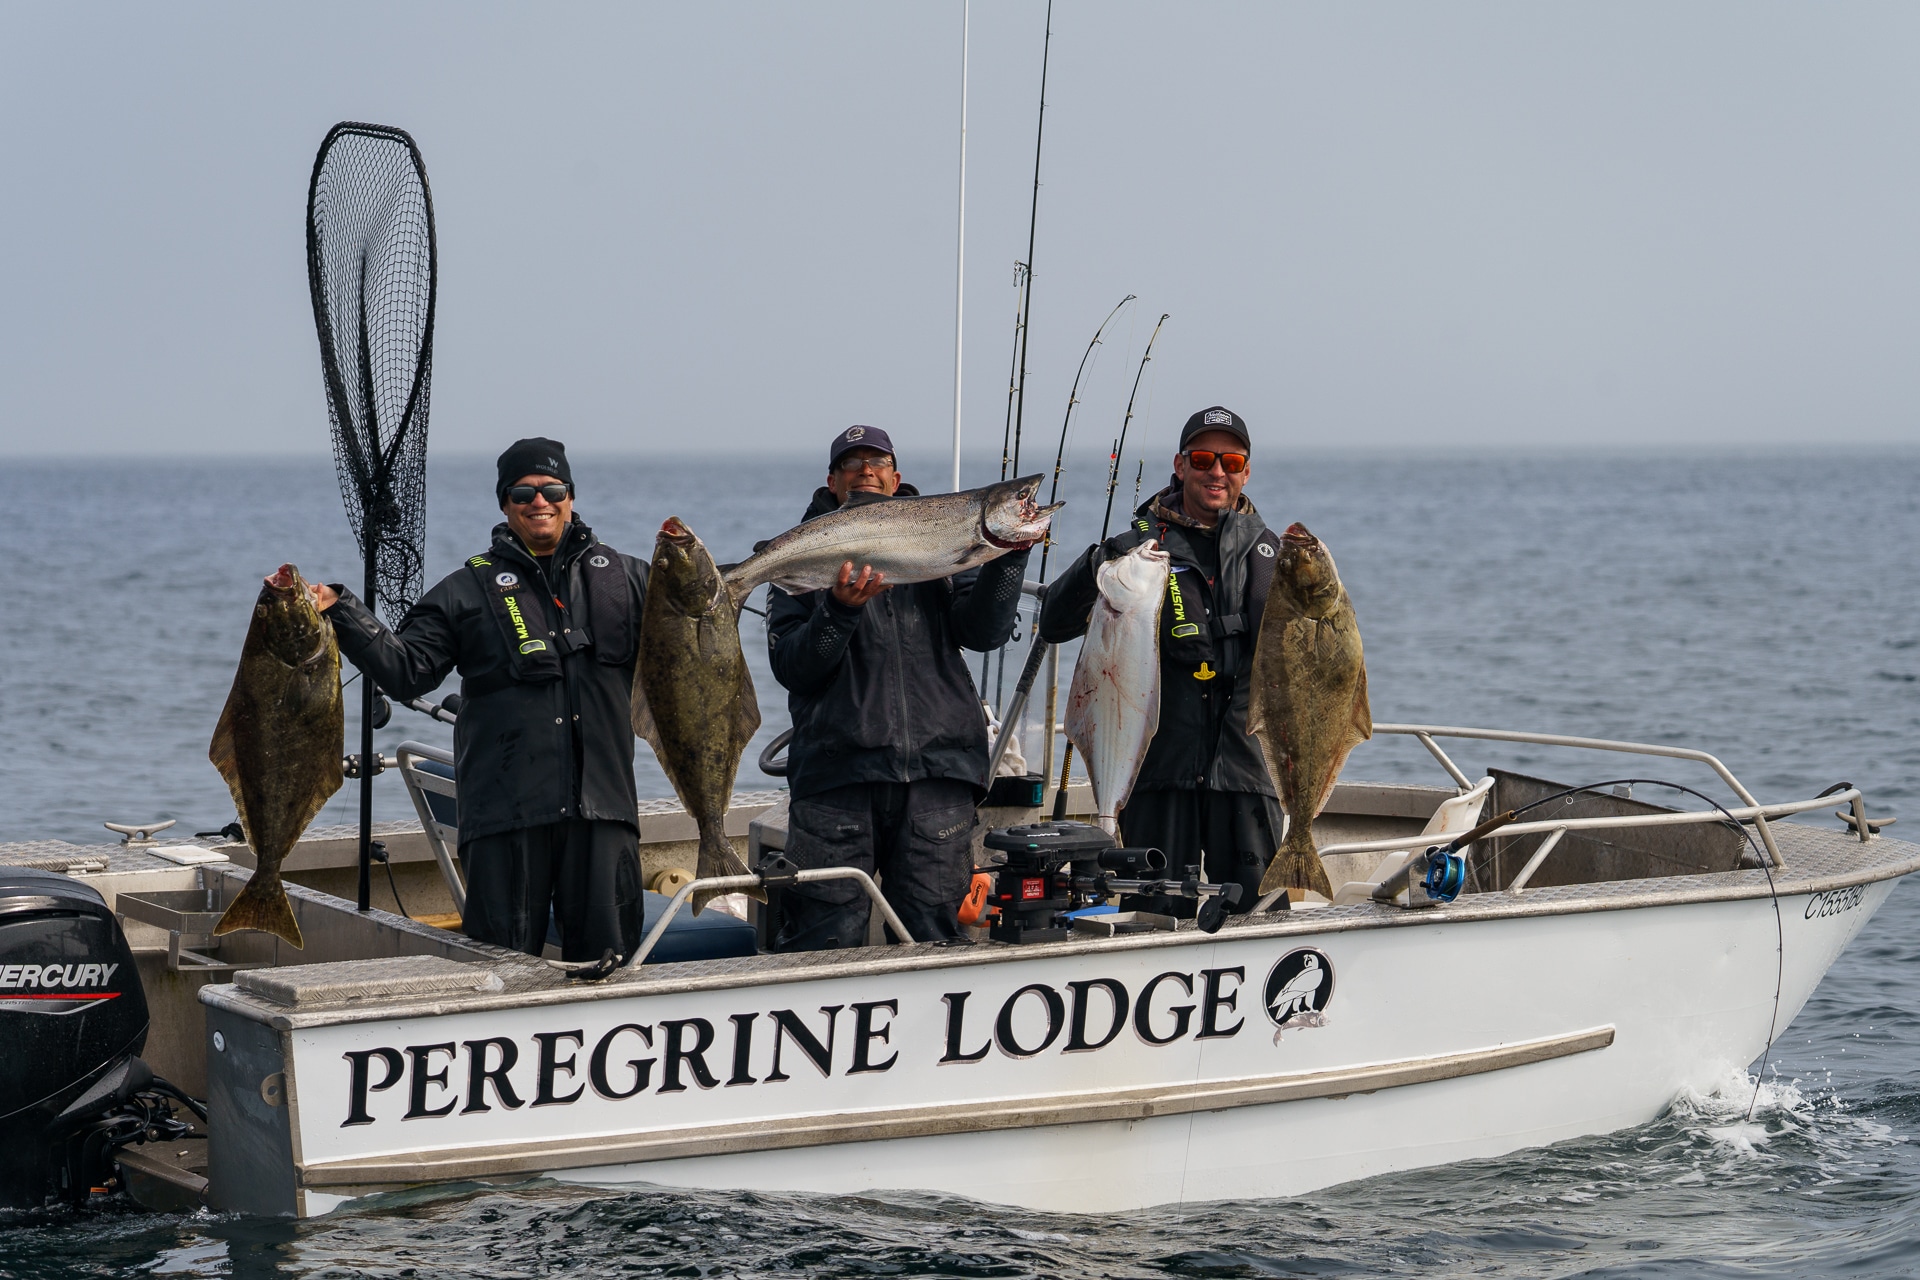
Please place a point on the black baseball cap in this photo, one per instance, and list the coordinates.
(858, 438)
(1216, 419)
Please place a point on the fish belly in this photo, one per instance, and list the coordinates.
(1113, 703)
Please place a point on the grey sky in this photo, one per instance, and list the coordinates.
(1374, 225)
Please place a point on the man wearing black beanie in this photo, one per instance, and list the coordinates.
(543, 627)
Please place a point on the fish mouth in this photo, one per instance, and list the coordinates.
(283, 578)
(1028, 529)
(1297, 536)
(674, 530)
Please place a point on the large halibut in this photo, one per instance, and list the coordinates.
(1308, 703)
(1113, 705)
(693, 698)
(279, 743)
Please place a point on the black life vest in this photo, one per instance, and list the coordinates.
(538, 632)
(1192, 636)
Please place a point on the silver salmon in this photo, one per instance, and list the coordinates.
(279, 743)
(693, 698)
(915, 539)
(1308, 703)
(1113, 705)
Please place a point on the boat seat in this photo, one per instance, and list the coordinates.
(1454, 817)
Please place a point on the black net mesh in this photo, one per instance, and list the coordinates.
(370, 265)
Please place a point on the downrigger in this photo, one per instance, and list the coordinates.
(1055, 869)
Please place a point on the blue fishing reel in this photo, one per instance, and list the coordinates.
(1446, 874)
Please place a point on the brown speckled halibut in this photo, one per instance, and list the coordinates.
(693, 697)
(279, 743)
(1308, 702)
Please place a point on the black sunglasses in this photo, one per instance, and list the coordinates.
(556, 493)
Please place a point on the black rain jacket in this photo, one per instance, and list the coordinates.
(1202, 743)
(879, 693)
(533, 744)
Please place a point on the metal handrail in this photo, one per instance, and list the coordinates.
(734, 884)
(1426, 733)
(419, 782)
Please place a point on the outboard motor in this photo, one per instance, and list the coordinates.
(72, 1017)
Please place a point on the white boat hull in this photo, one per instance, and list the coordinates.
(1443, 1036)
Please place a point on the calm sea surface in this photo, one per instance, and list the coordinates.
(1760, 608)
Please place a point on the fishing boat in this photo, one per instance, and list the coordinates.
(1589, 962)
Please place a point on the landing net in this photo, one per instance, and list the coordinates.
(371, 269)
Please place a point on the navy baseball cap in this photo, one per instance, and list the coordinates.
(858, 438)
(1215, 419)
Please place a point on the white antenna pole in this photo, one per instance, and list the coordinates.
(960, 253)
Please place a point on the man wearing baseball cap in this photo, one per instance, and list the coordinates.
(889, 751)
(543, 627)
(1204, 784)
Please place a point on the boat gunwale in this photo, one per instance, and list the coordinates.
(1895, 858)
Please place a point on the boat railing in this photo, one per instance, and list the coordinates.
(775, 873)
(1426, 733)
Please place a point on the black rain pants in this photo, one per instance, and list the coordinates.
(917, 835)
(1236, 832)
(585, 873)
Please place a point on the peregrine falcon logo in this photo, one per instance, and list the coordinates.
(601, 562)
(1298, 988)
(1217, 418)
(505, 579)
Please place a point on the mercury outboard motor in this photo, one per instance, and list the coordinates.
(72, 1017)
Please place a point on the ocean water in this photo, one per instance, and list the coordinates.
(1763, 608)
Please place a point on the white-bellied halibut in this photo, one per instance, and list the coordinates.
(1308, 703)
(913, 539)
(1113, 705)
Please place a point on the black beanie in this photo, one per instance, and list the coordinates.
(534, 456)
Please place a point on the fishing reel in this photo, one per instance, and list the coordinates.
(1446, 874)
(1054, 869)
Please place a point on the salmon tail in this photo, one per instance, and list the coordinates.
(263, 906)
(717, 858)
(1297, 865)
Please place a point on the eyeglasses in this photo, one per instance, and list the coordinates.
(556, 493)
(851, 464)
(1203, 459)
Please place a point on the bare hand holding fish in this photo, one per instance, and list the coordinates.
(279, 743)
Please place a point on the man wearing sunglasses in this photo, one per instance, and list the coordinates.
(1204, 785)
(889, 751)
(543, 627)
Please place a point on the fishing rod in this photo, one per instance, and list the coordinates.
(1033, 220)
(1073, 398)
(1113, 474)
(1013, 362)
(1046, 546)
(1006, 440)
